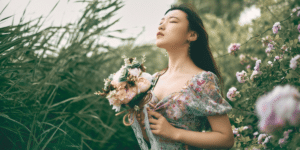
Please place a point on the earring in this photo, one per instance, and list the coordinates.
(166, 54)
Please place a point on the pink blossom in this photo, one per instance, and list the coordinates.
(278, 106)
(276, 27)
(276, 58)
(298, 14)
(257, 65)
(235, 131)
(271, 46)
(232, 93)
(298, 26)
(241, 76)
(254, 73)
(266, 40)
(286, 133)
(282, 141)
(248, 67)
(143, 85)
(233, 47)
(268, 51)
(285, 48)
(253, 58)
(243, 59)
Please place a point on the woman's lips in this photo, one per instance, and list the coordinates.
(159, 33)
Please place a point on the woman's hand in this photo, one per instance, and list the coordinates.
(161, 126)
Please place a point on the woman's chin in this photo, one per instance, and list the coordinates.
(159, 44)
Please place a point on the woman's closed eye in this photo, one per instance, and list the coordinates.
(170, 22)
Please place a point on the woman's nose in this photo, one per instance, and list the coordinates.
(160, 26)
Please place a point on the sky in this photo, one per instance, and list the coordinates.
(136, 15)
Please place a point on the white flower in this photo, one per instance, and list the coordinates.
(255, 73)
(275, 108)
(294, 61)
(260, 138)
(255, 133)
(242, 57)
(245, 127)
(233, 47)
(135, 71)
(118, 74)
(276, 27)
(117, 107)
(270, 63)
(257, 65)
(241, 76)
(266, 140)
(232, 93)
(147, 76)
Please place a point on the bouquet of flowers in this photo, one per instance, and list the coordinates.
(128, 87)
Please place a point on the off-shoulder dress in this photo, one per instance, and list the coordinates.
(186, 109)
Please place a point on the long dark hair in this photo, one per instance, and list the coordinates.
(199, 50)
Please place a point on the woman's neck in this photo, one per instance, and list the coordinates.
(179, 63)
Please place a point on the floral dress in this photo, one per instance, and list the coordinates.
(186, 109)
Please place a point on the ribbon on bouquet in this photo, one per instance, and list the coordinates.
(136, 105)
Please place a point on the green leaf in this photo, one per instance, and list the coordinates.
(7, 117)
(292, 74)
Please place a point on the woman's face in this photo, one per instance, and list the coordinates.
(174, 26)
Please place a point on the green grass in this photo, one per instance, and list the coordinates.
(47, 102)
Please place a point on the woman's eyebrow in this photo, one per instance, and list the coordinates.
(170, 17)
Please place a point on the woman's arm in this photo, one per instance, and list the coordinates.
(206, 140)
(220, 137)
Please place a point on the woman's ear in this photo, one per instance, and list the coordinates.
(193, 36)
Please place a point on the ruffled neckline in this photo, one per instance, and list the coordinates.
(156, 102)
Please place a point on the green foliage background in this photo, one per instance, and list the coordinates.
(48, 101)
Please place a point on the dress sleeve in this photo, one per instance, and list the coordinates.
(205, 97)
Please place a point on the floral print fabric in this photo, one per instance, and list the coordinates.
(188, 108)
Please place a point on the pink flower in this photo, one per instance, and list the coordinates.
(241, 76)
(268, 51)
(143, 85)
(271, 46)
(284, 48)
(286, 133)
(275, 108)
(276, 27)
(282, 141)
(248, 67)
(232, 93)
(298, 26)
(233, 47)
(243, 59)
(257, 65)
(254, 73)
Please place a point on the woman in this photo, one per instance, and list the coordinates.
(186, 95)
